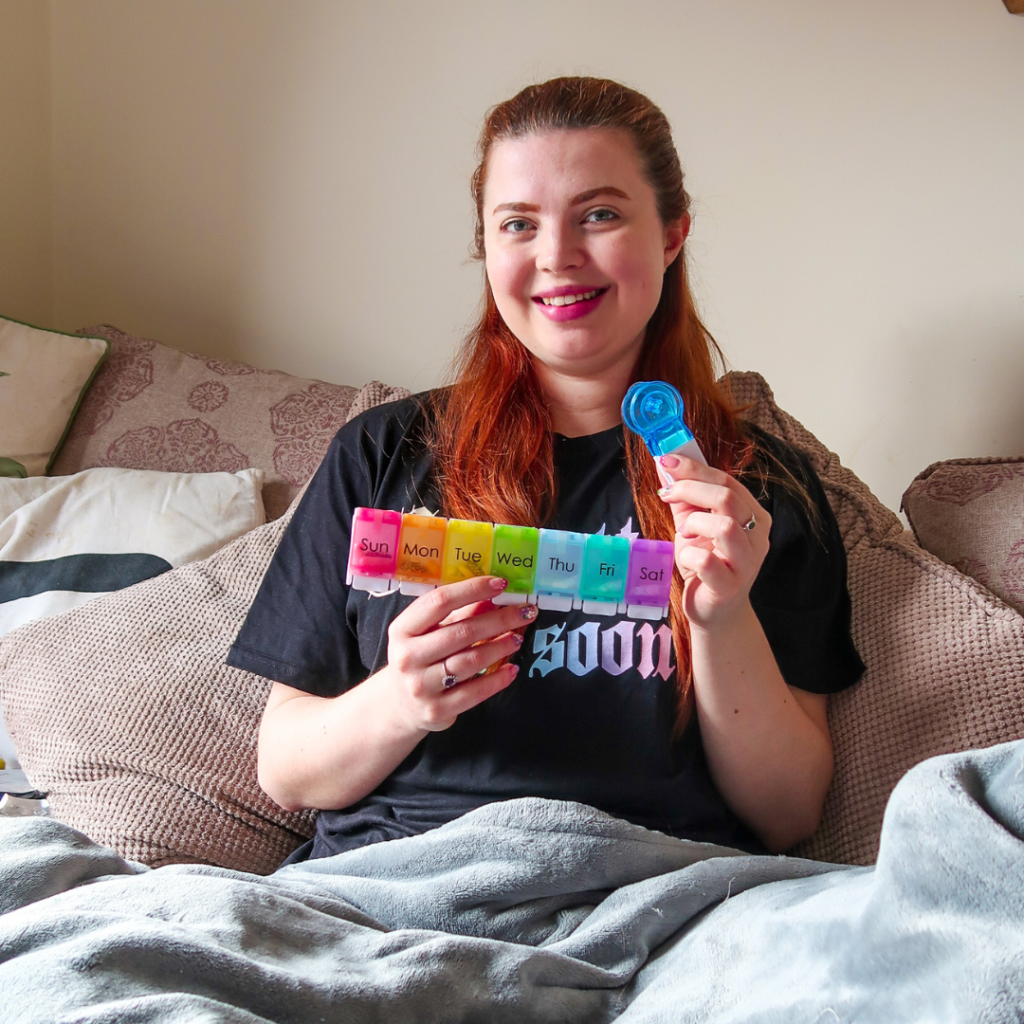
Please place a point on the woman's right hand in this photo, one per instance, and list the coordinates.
(450, 636)
(332, 751)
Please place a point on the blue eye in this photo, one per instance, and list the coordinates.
(516, 226)
(601, 215)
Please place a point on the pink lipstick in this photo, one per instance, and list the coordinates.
(569, 302)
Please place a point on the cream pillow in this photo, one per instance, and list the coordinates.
(43, 376)
(67, 540)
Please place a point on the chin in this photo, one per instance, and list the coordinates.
(584, 355)
(582, 363)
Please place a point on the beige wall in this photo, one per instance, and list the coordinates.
(26, 279)
(285, 182)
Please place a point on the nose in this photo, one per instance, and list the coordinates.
(560, 249)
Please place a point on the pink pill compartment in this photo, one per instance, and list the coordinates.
(373, 552)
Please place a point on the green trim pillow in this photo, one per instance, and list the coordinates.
(43, 376)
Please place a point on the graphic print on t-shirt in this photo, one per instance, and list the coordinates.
(612, 646)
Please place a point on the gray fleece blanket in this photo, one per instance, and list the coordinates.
(539, 911)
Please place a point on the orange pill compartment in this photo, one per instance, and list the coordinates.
(420, 553)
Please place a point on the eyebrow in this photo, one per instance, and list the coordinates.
(583, 197)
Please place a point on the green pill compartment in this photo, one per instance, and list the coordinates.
(514, 556)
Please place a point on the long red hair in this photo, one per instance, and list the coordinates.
(491, 431)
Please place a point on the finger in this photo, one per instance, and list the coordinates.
(694, 540)
(475, 691)
(707, 566)
(672, 495)
(458, 637)
(430, 609)
(753, 526)
(469, 611)
(736, 501)
(468, 664)
(718, 500)
(703, 487)
(728, 538)
(679, 467)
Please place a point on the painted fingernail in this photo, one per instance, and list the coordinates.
(515, 671)
(669, 461)
(498, 583)
(517, 639)
(664, 492)
(528, 612)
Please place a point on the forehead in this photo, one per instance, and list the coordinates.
(552, 163)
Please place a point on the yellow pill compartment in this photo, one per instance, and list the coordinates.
(467, 550)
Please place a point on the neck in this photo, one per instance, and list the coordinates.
(584, 405)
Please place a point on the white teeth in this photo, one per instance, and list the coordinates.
(568, 300)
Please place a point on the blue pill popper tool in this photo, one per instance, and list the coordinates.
(654, 410)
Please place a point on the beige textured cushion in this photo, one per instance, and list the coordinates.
(153, 407)
(970, 513)
(123, 710)
(945, 659)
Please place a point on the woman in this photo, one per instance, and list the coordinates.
(581, 223)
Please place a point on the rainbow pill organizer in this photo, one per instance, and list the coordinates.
(554, 569)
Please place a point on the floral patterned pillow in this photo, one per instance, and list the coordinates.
(153, 407)
(970, 513)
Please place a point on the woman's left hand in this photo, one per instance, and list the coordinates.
(721, 539)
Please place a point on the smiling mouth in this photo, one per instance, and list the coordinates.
(569, 300)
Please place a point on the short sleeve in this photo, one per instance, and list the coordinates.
(306, 627)
(800, 595)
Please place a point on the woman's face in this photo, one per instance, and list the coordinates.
(575, 250)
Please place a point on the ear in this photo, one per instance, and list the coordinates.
(675, 234)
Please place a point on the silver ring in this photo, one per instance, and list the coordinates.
(749, 526)
(449, 680)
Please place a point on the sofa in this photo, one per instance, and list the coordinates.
(126, 716)
(151, 894)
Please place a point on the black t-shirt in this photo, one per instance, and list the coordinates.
(590, 715)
